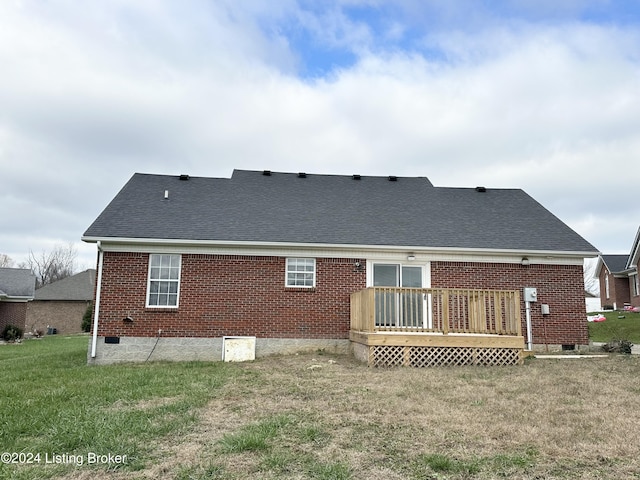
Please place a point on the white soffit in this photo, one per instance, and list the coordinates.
(370, 252)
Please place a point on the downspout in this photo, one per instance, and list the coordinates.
(96, 313)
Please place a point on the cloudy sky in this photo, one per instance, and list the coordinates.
(542, 95)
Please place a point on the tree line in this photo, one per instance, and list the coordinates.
(47, 266)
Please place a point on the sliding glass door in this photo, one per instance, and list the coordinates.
(395, 307)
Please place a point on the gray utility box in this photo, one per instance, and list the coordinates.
(530, 294)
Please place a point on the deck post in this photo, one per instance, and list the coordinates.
(445, 312)
(518, 320)
(371, 310)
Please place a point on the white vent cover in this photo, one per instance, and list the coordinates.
(238, 349)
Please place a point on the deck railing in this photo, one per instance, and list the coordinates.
(441, 310)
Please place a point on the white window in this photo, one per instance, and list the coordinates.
(164, 280)
(606, 286)
(635, 287)
(301, 272)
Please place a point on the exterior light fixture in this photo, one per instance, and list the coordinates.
(525, 261)
(411, 257)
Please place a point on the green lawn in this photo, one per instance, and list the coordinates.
(51, 402)
(615, 328)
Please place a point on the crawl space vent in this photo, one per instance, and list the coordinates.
(238, 349)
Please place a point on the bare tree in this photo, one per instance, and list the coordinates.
(6, 261)
(57, 264)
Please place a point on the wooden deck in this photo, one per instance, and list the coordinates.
(435, 326)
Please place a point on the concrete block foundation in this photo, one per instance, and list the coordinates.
(180, 349)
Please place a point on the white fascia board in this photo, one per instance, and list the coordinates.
(599, 265)
(635, 252)
(339, 250)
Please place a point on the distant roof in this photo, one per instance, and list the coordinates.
(17, 283)
(253, 206)
(615, 263)
(77, 287)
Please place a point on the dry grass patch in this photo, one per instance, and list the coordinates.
(281, 417)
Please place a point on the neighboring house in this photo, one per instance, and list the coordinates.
(392, 268)
(613, 276)
(62, 304)
(17, 287)
(618, 277)
(633, 266)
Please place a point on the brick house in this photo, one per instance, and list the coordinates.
(17, 286)
(613, 277)
(633, 266)
(618, 278)
(62, 304)
(305, 262)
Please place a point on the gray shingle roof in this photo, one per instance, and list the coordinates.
(615, 263)
(17, 282)
(77, 287)
(332, 209)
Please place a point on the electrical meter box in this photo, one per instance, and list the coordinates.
(530, 294)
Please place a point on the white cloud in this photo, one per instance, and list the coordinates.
(96, 92)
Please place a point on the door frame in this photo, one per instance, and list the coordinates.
(426, 280)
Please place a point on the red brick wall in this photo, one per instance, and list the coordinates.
(13, 313)
(227, 295)
(619, 292)
(559, 286)
(604, 300)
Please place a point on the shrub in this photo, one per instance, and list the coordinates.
(618, 346)
(86, 318)
(11, 333)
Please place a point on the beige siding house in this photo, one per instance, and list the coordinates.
(61, 304)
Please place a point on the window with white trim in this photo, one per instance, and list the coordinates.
(635, 287)
(606, 286)
(164, 281)
(301, 272)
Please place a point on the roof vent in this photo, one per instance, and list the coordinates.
(481, 189)
(266, 173)
(302, 175)
(393, 178)
(356, 177)
(184, 176)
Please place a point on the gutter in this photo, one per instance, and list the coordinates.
(96, 313)
(15, 299)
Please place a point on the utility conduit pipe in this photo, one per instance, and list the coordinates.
(529, 330)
